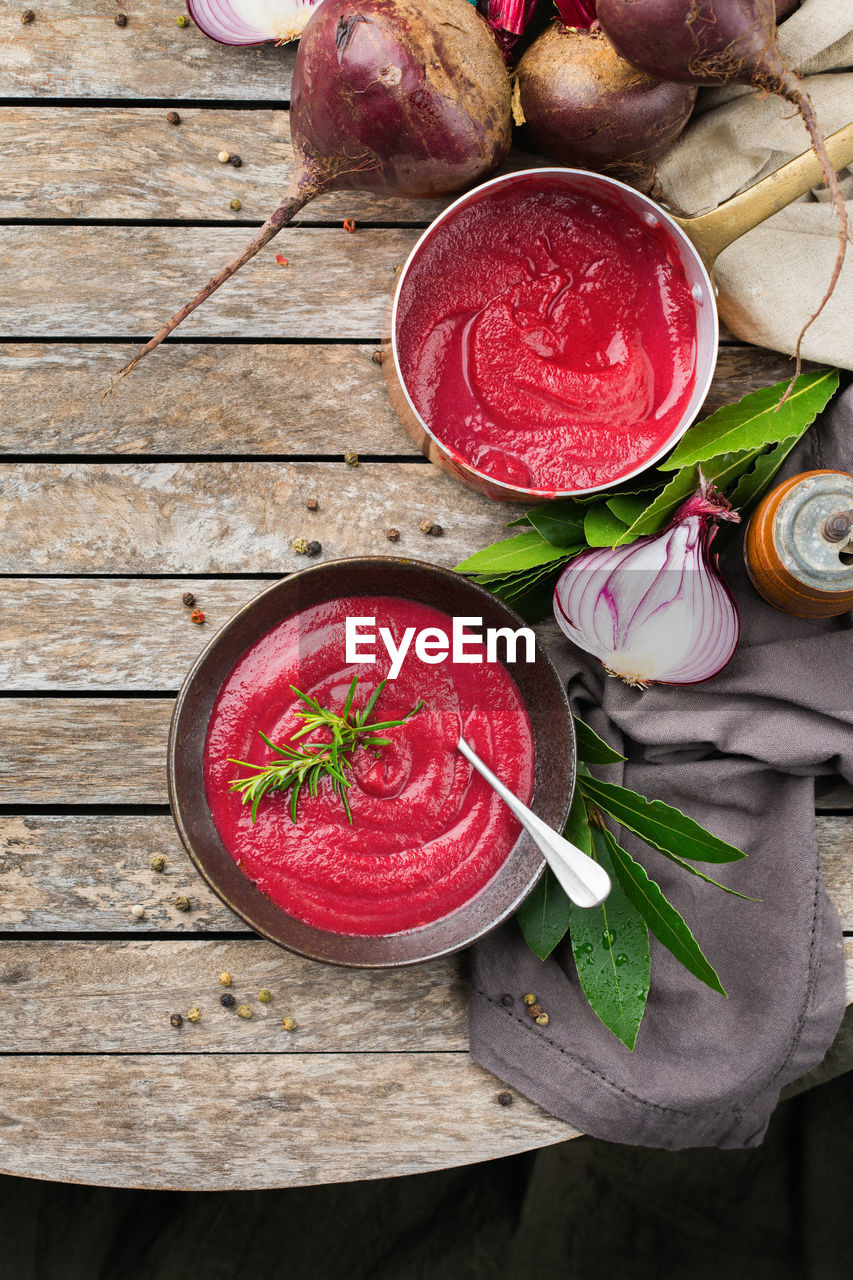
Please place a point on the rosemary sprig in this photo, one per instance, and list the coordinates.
(307, 767)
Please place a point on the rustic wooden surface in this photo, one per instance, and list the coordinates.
(195, 474)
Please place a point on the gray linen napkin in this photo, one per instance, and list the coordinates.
(739, 754)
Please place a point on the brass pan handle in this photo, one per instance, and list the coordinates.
(713, 232)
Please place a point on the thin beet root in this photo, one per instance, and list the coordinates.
(404, 97)
(712, 42)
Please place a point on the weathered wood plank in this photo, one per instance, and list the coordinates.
(118, 997)
(112, 282)
(84, 751)
(834, 797)
(239, 1121)
(76, 50)
(206, 399)
(129, 162)
(84, 873)
(252, 399)
(167, 518)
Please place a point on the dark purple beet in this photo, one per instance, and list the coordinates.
(584, 105)
(720, 42)
(405, 97)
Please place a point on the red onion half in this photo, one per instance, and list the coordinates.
(251, 21)
(655, 611)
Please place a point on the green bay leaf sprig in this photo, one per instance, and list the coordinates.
(610, 943)
(739, 448)
(309, 765)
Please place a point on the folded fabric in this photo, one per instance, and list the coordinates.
(772, 279)
(739, 754)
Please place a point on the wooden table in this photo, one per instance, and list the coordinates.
(194, 476)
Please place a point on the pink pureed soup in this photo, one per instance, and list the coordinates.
(548, 339)
(427, 832)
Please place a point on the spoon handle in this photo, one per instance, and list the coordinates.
(584, 881)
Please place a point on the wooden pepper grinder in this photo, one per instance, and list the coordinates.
(799, 545)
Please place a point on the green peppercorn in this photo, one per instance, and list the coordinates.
(351, 458)
(193, 1015)
(236, 204)
(425, 526)
(243, 1011)
(264, 995)
(300, 546)
(227, 1000)
(182, 903)
(543, 1020)
(182, 20)
(530, 999)
(177, 1020)
(225, 979)
(158, 862)
(289, 1024)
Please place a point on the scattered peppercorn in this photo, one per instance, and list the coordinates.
(188, 599)
(507, 1001)
(530, 999)
(236, 204)
(137, 912)
(349, 224)
(281, 260)
(225, 979)
(314, 548)
(27, 17)
(182, 903)
(227, 999)
(436, 531)
(300, 546)
(378, 357)
(173, 117)
(235, 160)
(543, 1020)
(158, 862)
(351, 458)
(398, 268)
(312, 504)
(534, 1010)
(289, 1024)
(505, 1098)
(197, 616)
(182, 20)
(177, 1020)
(264, 995)
(224, 157)
(121, 19)
(393, 535)
(243, 1011)
(193, 1015)
(425, 526)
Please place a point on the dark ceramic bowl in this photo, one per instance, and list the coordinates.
(540, 688)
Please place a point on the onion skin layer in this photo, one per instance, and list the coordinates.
(420, 106)
(586, 106)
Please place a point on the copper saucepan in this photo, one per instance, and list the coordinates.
(698, 241)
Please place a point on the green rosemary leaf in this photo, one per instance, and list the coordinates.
(371, 703)
(350, 696)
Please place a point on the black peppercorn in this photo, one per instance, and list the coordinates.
(314, 549)
(188, 599)
(227, 999)
(177, 1020)
(436, 531)
(505, 1098)
(27, 17)
(173, 117)
(378, 357)
(235, 160)
(507, 1001)
(121, 19)
(312, 504)
(534, 1010)
(393, 535)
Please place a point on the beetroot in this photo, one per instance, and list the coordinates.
(714, 42)
(584, 105)
(406, 97)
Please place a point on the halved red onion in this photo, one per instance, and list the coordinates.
(251, 21)
(655, 611)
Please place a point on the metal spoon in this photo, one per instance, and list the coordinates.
(585, 882)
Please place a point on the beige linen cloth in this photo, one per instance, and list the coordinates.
(773, 278)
